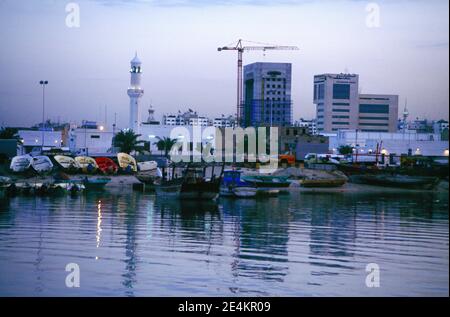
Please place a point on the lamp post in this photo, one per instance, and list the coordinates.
(43, 83)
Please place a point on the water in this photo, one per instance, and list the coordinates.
(302, 244)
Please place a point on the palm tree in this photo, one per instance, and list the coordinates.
(127, 141)
(165, 144)
(9, 133)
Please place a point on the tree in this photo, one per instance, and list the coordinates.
(9, 133)
(345, 150)
(127, 141)
(165, 144)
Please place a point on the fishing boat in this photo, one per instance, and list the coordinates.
(168, 188)
(324, 182)
(97, 183)
(127, 163)
(20, 163)
(233, 186)
(106, 165)
(268, 181)
(196, 186)
(148, 171)
(87, 164)
(42, 164)
(67, 163)
(399, 181)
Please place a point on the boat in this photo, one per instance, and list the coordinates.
(233, 186)
(127, 163)
(67, 163)
(148, 171)
(268, 181)
(399, 181)
(20, 163)
(87, 164)
(42, 164)
(168, 188)
(106, 165)
(323, 182)
(97, 183)
(245, 192)
(196, 186)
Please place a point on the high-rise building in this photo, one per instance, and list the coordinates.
(267, 95)
(339, 106)
(135, 92)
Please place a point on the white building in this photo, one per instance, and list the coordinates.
(135, 92)
(311, 125)
(341, 107)
(440, 126)
(90, 139)
(38, 139)
(427, 144)
(224, 122)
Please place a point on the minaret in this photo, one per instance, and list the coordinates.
(135, 92)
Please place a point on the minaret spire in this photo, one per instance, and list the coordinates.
(135, 92)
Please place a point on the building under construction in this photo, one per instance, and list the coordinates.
(267, 95)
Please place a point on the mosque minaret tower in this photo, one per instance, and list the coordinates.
(135, 92)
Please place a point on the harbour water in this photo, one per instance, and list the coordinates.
(300, 244)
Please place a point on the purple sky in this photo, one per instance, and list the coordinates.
(177, 41)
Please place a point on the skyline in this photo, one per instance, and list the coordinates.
(88, 67)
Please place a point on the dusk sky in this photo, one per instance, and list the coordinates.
(88, 67)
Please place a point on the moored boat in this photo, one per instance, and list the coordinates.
(87, 164)
(97, 183)
(196, 186)
(42, 164)
(267, 181)
(148, 172)
(233, 186)
(399, 181)
(168, 188)
(106, 165)
(21, 163)
(67, 163)
(324, 182)
(127, 163)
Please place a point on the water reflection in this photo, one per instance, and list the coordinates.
(138, 244)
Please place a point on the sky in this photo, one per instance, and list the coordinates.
(406, 53)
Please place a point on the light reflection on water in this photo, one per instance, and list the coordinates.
(302, 244)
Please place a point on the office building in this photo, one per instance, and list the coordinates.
(267, 95)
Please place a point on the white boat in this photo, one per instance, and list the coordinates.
(245, 192)
(148, 172)
(41, 164)
(20, 163)
(147, 166)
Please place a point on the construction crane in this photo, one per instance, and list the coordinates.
(240, 50)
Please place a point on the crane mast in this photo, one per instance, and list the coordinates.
(240, 50)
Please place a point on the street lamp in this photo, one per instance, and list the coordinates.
(43, 83)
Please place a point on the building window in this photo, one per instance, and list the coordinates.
(340, 123)
(367, 108)
(375, 124)
(95, 137)
(373, 118)
(341, 110)
(341, 104)
(341, 91)
(320, 91)
(340, 117)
